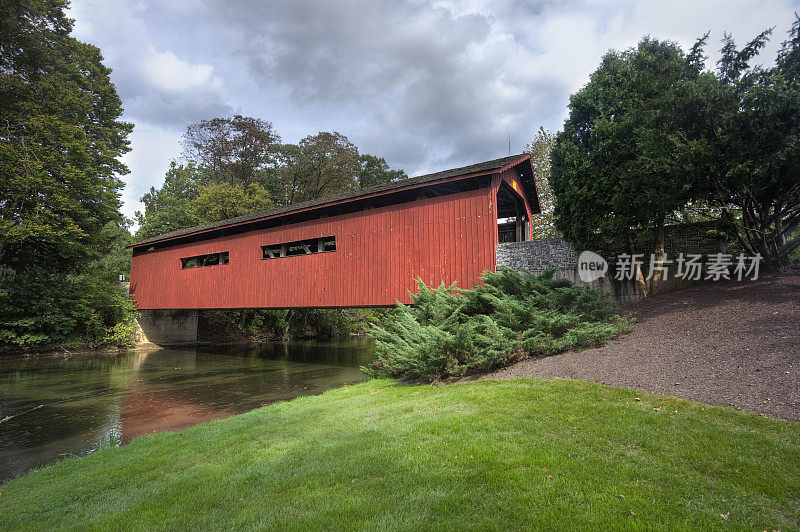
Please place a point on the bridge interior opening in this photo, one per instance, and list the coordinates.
(212, 259)
(301, 247)
(512, 218)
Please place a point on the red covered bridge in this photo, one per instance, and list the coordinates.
(360, 248)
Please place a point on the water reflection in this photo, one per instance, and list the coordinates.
(88, 399)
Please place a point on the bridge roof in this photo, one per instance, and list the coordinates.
(487, 167)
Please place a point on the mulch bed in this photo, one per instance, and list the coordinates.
(726, 343)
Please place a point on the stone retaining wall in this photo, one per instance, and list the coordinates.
(537, 255)
(559, 255)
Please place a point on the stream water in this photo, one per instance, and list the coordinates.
(54, 406)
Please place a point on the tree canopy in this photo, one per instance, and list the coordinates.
(238, 150)
(60, 170)
(61, 138)
(373, 170)
(754, 176)
(620, 165)
(197, 191)
(655, 132)
(543, 224)
(223, 200)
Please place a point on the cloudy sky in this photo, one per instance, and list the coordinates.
(429, 85)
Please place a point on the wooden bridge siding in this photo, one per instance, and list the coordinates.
(379, 253)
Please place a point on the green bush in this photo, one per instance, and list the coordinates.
(46, 306)
(123, 333)
(43, 312)
(452, 332)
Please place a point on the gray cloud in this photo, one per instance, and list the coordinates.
(428, 84)
(157, 86)
(433, 85)
(170, 108)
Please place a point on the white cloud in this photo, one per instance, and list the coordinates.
(165, 69)
(160, 79)
(153, 149)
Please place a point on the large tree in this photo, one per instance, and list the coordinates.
(239, 150)
(623, 162)
(654, 132)
(543, 224)
(229, 170)
(332, 161)
(61, 139)
(753, 176)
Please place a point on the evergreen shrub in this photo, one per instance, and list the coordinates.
(449, 332)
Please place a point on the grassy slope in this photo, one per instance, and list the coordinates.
(553, 454)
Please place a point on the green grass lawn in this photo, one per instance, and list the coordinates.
(514, 454)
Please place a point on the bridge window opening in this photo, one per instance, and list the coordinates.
(300, 247)
(212, 259)
(512, 219)
(327, 244)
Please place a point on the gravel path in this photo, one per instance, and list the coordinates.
(725, 343)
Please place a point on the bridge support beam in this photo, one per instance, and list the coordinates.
(169, 327)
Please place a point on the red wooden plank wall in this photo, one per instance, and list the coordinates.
(379, 253)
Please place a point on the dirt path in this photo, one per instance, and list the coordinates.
(726, 343)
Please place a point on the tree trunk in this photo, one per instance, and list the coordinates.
(783, 257)
(287, 319)
(766, 227)
(640, 282)
(658, 256)
(760, 234)
(779, 226)
(305, 321)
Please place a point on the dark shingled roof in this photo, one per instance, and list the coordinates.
(479, 168)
